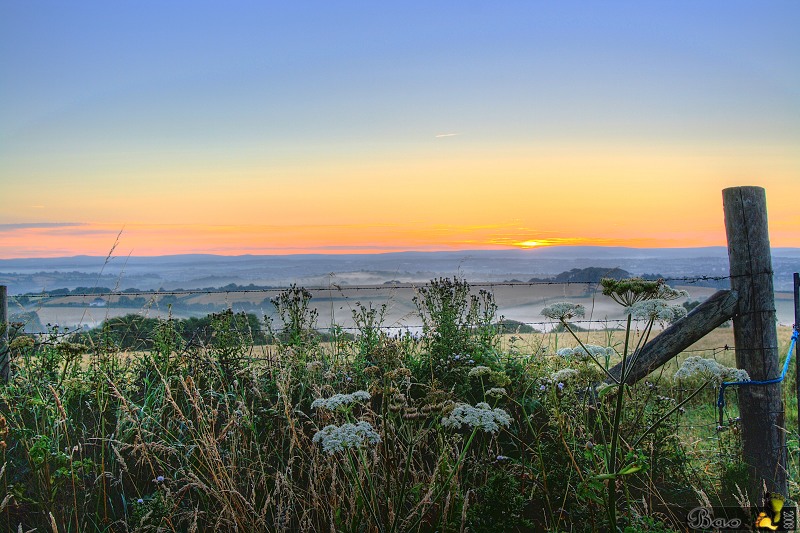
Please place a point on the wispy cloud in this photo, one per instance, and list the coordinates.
(442, 135)
(30, 225)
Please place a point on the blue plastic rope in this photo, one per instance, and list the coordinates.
(721, 399)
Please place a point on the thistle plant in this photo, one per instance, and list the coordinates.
(299, 319)
(458, 329)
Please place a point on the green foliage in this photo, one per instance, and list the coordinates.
(298, 319)
(513, 326)
(203, 430)
(591, 274)
(136, 332)
(458, 329)
(499, 506)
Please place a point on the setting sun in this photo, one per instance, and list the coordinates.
(530, 244)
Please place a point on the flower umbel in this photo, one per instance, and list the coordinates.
(496, 392)
(480, 371)
(565, 374)
(338, 400)
(582, 354)
(629, 291)
(337, 438)
(709, 369)
(564, 311)
(657, 309)
(482, 416)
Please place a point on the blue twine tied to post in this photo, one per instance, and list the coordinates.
(721, 398)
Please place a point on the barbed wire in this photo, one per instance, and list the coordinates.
(193, 308)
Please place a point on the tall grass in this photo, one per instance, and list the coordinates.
(452, 431)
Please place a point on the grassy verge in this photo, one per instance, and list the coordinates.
(459, 429)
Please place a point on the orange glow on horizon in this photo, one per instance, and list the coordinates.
(152, 239)
(475, 197)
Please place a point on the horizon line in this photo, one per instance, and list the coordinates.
(518, 249)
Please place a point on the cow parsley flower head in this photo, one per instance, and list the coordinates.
(497, 392)
(581, 354)
(482, 416)
(631, 290)
(338, 400)
(657, 309)
(565, 374)
(709, 369)
(564, 311)
(338, 438)
(479, 371)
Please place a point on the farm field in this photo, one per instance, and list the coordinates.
(336, 305)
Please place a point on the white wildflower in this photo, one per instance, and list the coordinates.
(657, 309)
(566, 353)
(563, 375)
(591, 349)
(337, 438)
(696, 366)
(482, 416)
(314, 366)
(497, 392)
(479, 371)
(564, 311)
(338, 400)
(666, 292)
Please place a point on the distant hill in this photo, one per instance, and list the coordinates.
(200, 271)
(591, 275)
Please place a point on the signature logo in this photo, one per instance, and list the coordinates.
(774, 503)
(772, 516)
(703, 518)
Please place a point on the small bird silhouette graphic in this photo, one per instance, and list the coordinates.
(763, 521)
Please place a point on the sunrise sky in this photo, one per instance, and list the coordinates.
(337, 126)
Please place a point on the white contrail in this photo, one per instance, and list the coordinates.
(447, 135)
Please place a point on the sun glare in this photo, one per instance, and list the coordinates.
(530, 244)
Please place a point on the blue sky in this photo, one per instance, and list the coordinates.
(103, 101)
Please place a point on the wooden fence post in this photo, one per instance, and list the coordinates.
(5, 361)
(760, 406)
(797, 328)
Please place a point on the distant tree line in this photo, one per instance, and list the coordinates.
(136, 332)
(588, 275)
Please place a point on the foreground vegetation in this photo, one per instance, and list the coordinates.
(459, 429)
